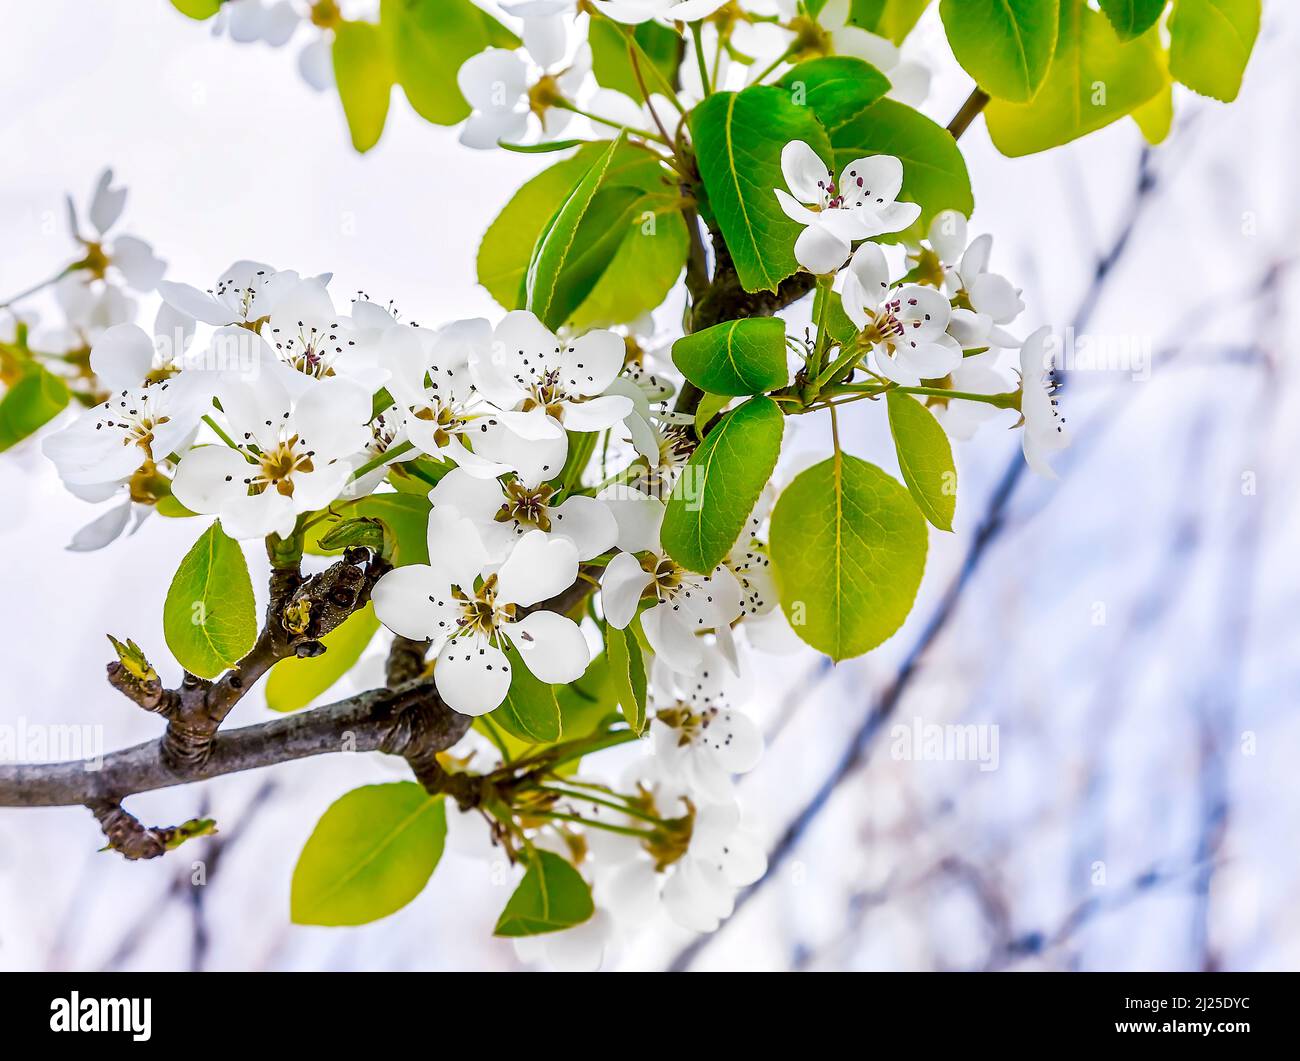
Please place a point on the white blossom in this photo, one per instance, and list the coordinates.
(290, 456)
(470, 626)
(861, 204)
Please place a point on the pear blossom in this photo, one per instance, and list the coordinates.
(905, 327)
(698, 889)
(290, 455)
(1044, 426)
(443, 414)
(699, 739)
(975, 375)
(314, 341)
(503, 87)
(983, 301)
(861, 204)
(503, 512)
(687, 603)
(89, 309)
(134, 429)
(554, 383)
(470, 627)
(244, 294)
(129, 257)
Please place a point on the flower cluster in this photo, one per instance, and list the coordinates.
(261, 402)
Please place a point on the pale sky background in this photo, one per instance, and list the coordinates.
(1120, 739)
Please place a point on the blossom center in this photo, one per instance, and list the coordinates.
(277, 466)
(526, 507)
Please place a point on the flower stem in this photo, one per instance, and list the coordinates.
(382, 458)
(37, 287)
(622, 830)
(698, 37)
(221, 434)
(645, 134)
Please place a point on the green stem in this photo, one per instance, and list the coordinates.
(698, 37)
(773, 65)
(37, 287)
(645, 134)
(631, 812)
(609, 827)
(221, 434)
(383, 458)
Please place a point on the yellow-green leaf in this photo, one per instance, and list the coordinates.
(628, 671)
(209, 618)
(371, 853)
(363, 71)
(924, 457)
(848, 549)
(294, 683)
(1095, 79)
(1210, 42)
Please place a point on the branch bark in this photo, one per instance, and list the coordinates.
(371, 721)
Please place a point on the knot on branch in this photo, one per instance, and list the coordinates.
(324, 601)
(420, 730)
(406, 661)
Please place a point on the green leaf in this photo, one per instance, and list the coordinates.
(848, 550)
(547, 147)
(1005, 45)
(363, 71)
(738, 139)
(1210, 42)
(609, 54)
(552, 896)
(35, 398)
(925, 458)
(555, 248)
(721, 483)
(628, 670)
(199, 10)
(837, 87)
(294, 683)
(371, 853)
(405, 516)
(171, 508)
(1132, 18)
(934, 172)
(891, 19)
(209, 618)
(737, 358)
(1094, 79)
(710, 406)
(507, 246)
(529, 710)
(429, 40)
(644, 268)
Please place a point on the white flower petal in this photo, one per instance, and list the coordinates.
(621, 587)
(539, 567)
(472, 675)
(586, 522)
(415, 601)
(552, 646)
(806, 175)
(590, 363)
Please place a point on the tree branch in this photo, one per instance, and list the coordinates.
(371, 721)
